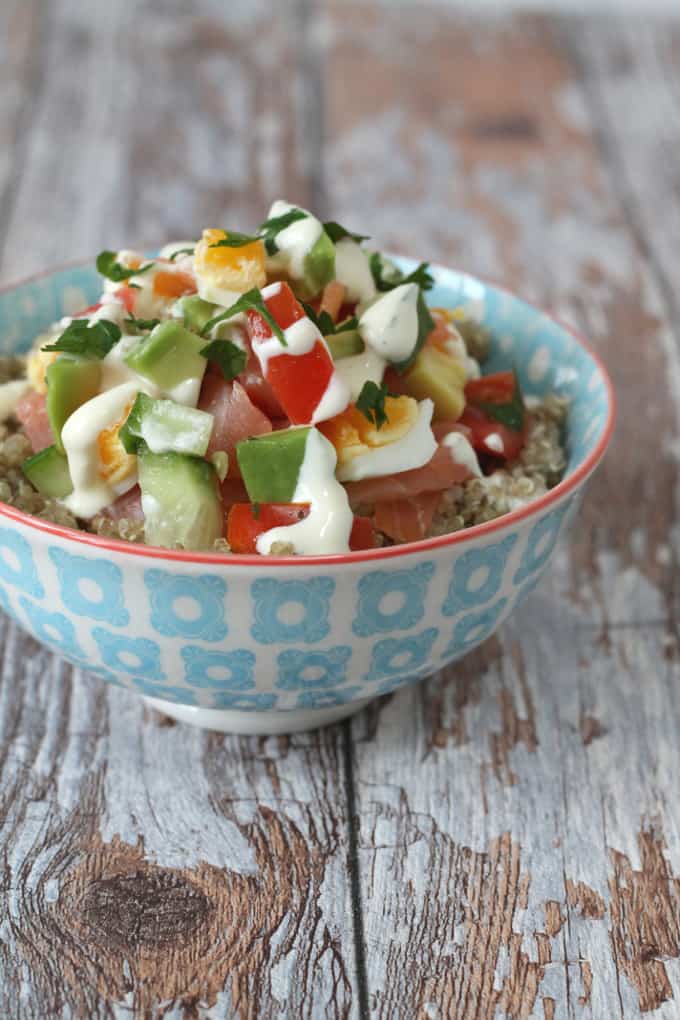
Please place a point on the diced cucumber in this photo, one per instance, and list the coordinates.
(168, 356)
(181, 500)
(48, 472)
(196, 312)
(345, 344)
(70, 383)
(270, 464)
(319, 265)
(165, 426)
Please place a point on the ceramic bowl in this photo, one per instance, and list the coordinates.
(270, 645)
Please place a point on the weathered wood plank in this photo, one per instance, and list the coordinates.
(150, 869)
(508, 807)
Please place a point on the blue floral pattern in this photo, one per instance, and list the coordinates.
(244, 702)
(408, 588)
(315, 670)
(478, 576)
(327, 699)
(541, 542)
(171, 595)
(139, 656)
(79, 575)
(474, 628)
(165, 692)
(16, 563)
(54, 629)
(404, 656)
(306, 603)
(232, 671)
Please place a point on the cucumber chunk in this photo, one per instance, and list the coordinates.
(164, 426)
(48, 472)
(270, 464)
(71, 382)
(196, 312)
(181, 501)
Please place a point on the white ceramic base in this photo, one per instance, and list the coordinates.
(262, 724)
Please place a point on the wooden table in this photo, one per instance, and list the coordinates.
(503, 840)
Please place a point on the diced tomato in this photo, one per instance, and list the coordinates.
(407, 520)
(31, 411)
(259, 390)
(128, 295)
(169, 283)
(362, 535)
(247, 521)
(497, 388)
(128, 506)
(233, 491)
(347, 311)
(438, 474)
(90, 310)
(236, 417)
(298, 380)
(482, 427)
(332, 299)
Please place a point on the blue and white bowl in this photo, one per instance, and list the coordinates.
(246, 644)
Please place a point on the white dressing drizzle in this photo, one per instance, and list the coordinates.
(360, 368)
(353, 269)
(413, 450)
(295, 241)
(91, 493)
(327, 527)
(390, 324)
(462, 452)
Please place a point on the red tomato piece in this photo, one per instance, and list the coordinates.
(90, 310)
(498, 388)
(482, 426)
(128, 295)
(247, 521)
(362, 535)
(300, 381)
(284, 308)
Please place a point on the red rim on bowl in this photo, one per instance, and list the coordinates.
(554, 495)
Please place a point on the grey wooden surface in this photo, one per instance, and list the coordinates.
(502, 840)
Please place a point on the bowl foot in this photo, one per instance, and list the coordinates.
(262, 724)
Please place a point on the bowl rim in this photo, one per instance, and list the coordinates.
(568, 485)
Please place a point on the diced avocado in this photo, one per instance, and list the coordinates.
(70, 383)
(319, 267)
(181, 500)
(169, 355)
(345, 344)
(196, 312)
(164, 425)
(439, 376)
(48, 472)
(270, 464)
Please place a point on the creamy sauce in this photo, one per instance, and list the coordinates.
(115, 372)
(294, 242)
(168, 250)
(413, 450)
(359, 368)
(352, 268)
(91, 493)
(10, 394)
(211, 291)
(455, 345)
(495, 443)
(462, 452)
(327, 527)
(334, 401)
(390, 324)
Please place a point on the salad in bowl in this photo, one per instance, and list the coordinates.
(290, 392)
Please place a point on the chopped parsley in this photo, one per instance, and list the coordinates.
(235, 240)
(230, 358)
(109, 267)
(252, 300)
(371, 402)
(87, 341)
(337, 232)
(271, 227)
(510, 413)
(387, 276)
(181, 251)
(142, 324)
(324, 323)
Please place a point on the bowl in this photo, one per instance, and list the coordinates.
(247, 644)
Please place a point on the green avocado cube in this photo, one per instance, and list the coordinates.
(345, 344)
(70, 382)
(48, 472)
(168, 356)
(270, 464)
(319, 265)
(196, 312)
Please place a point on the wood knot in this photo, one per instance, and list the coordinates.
(144, 908)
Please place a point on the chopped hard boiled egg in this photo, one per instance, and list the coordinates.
(405, 441)
(36, 366)
(222, 272)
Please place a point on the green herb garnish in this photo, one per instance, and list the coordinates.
(325, 324)
(394, 277)
(337, 232)
(271, 227)
(182, 251)
(252, 300)
(134, 323)
(371, 402)
(109, 267)
(230, 358)
(87, 341)
(234, 240)
(510, 414)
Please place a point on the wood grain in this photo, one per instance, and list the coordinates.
(503, 840)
